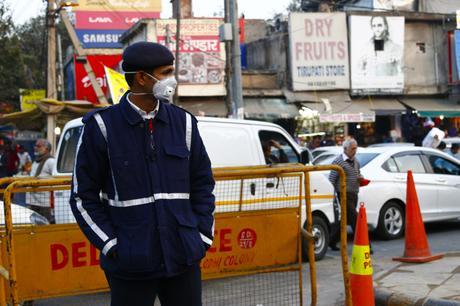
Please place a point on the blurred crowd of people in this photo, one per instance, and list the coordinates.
(16, 161)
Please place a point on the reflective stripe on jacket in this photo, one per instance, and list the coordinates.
(147, 196)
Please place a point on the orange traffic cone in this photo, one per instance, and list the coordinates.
(362, 290)
(416, 244)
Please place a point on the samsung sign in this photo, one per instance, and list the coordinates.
(100, 38)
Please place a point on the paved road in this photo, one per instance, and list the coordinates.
(443, 237)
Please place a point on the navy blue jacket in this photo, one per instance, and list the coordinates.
(143, 199)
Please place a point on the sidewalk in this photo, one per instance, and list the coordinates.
(433, 283)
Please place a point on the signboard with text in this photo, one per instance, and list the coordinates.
(110, 20)
(202, 55)
(63, 259)
(319, 51)
(83, 88)
(119, 5)
(100, 38)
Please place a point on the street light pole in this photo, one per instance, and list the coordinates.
(51, 92)
(236, 62)
(178, 43)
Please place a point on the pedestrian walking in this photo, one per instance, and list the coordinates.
(142, 187)
(347, 160)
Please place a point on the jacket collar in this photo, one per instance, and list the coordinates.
(134, 118)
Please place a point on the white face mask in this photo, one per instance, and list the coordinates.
(163, 89)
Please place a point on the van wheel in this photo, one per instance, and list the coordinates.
(321, 243)
(391, 221)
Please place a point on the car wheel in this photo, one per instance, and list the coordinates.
(391, 221)
(321, 233)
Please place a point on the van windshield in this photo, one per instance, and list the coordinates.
(68, 150)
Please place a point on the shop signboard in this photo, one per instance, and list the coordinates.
(119, 5)
(396, 5)
(319, 51)
(344, 118)
(100, 38)
(110, 20)
(83, 88)
(202, 55)
(28, 96)
(377, 49)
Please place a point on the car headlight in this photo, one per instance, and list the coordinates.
(37, 219)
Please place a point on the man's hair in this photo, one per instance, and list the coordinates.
(129, 77)
(454, 146)
(442, 145)
(347, 143)
(46, 143)
(386, 33)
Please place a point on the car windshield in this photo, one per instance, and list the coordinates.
(363, 158)
(68, 149)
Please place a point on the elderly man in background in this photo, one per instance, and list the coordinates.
(41, 167)
(347, 160)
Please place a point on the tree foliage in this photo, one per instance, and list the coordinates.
(12, 74)
(23, 52)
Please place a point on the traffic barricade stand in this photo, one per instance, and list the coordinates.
(246, 211)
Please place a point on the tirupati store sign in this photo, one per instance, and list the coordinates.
(319, 51)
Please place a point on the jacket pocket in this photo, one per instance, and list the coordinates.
(129, 171)
(136, 248)
(177, 162)
(191, 239)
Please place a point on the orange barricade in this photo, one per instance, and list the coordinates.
(253, 238)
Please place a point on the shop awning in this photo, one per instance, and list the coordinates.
(269, 108)
(355, 111)
(316, 96)
(257, 108)
(212, 108)
(433, 107)
(386, 106)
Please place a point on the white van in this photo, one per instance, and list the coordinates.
(229, 143)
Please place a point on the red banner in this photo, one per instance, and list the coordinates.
(83, 88)
(110, 20)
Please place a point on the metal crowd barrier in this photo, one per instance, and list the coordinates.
(255, 258)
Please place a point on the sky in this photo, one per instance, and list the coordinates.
(254, 9)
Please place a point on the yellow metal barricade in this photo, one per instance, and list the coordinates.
(257, 234)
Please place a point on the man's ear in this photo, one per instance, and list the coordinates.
(139, 78)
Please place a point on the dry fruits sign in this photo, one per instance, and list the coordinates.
(319, 51)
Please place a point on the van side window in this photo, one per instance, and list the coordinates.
(277, 148)
(68, 150)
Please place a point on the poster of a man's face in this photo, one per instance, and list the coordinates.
(377, 54)
(379, 26)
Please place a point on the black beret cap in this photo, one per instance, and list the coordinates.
(146, 55)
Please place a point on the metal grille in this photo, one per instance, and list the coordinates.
(257, 193)
(32, 206)
(239, 273)
(263, 289)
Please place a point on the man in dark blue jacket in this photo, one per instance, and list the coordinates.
(142, 187)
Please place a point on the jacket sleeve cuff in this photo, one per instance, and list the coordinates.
(207, 242)
(109, 247)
